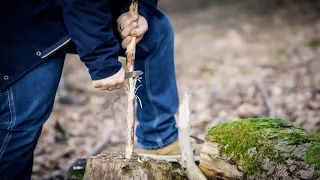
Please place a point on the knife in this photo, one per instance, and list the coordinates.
(132, 74)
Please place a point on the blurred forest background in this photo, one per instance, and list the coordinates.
(240, 59)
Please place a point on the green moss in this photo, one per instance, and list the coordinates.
(127, 170)
(145, 164)
(177, 176)
(75, 175)
(249, 141)
(175, 165)
(296, 137)
(313, 154)
(314, 43)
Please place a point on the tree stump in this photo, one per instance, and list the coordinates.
(115, 166)
(261, 148)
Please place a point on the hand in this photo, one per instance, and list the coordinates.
(111, 83)
(131, 25)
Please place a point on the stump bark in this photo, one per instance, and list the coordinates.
(115, 166)
(261, 148)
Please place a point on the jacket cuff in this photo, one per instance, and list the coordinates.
(99, 71)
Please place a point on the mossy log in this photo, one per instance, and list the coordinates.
(261, 148)
(114, 166)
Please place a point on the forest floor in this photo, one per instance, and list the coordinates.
(237, 63)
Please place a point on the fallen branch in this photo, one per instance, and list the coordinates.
(313, 82)
(266, 98)
(197, 139)
(187, 159)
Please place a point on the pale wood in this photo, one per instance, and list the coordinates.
(115, 166)
(213, 166)
(187, 159)
(131, 118)
(131, 110)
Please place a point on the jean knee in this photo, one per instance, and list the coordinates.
(160, 31)
(168, 30)
(163, 26)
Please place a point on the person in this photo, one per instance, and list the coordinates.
(35, 38)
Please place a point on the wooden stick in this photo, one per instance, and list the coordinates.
(267, 99)
(131, 111)
(187, 159)
(131, 49)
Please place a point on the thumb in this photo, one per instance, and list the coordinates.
(139, 31)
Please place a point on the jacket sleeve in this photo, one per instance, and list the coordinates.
(90, 27)
(145, 7)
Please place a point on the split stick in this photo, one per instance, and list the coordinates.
(131, 110)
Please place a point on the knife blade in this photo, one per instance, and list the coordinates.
(132, 74)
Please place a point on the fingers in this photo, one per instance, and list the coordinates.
(111, 88)
(139, 39)
(119, 86)
(138, 31)
(111, 83)
(105, 88)
(141, 29)
(126, 31)
(125, 23)
(125, 16)
(126, 42)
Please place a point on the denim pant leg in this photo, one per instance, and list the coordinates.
(24, 108)
(158, 93)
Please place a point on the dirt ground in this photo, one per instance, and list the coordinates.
(236, 62)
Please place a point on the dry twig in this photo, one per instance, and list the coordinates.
(267, 99)
(187, 159)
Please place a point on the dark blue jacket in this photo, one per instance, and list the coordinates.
(33, 30)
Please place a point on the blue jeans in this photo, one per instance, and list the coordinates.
(26, 105)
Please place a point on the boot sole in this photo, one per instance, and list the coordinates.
(168, 158)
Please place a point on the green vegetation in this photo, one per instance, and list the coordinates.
(249, 141)
(314, 44)
(313, 154)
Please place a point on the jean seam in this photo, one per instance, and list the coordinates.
(144, 47)
(159, 141)
(12, 121)
(158, 138)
